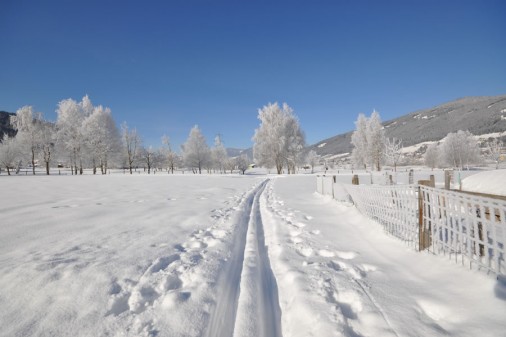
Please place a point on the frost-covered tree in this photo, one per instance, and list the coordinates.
(47, 143)
(359, 141)
(196, 153)
(242, 163)
(29, 126)
(9, 153)
(460, 149)
(230, 164)
(393, 151)
(70, 133)
(294, 146)
(101, 137)
(86, 106)
(171, 157)
(431, 157)
(375, 140)
(219, 154)
(132, 144)
(368, 141)
(279, 139)
(494, 151)
(312, 159)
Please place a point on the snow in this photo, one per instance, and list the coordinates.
(220, 255)
(488, 182)
(322, 145)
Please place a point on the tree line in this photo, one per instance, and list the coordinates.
(86, 136)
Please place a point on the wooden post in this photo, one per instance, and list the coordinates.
(424, 227)
(410, 177)
(354, 180)
(448, 179)
(390, 178)
(432, 180)
(333, 183)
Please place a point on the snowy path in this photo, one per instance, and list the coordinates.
(248, 303)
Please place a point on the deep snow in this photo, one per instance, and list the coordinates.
(215, 255)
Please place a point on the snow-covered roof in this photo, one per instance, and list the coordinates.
(489, 182)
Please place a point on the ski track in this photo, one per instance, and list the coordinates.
(248, 304)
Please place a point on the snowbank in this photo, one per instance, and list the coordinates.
(489, 182)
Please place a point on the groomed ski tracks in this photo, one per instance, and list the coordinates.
(248, 304)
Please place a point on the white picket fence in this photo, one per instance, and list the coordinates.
(395, 207)
(468, 228)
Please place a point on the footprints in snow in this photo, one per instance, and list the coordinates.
(169, 280)
(333, 274)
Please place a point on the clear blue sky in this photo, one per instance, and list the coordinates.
(164, 66)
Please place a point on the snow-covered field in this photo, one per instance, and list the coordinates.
(214, 255)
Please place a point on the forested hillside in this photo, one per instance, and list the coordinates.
(5, 126)
(479, 115)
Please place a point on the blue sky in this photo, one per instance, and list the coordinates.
(164, 66)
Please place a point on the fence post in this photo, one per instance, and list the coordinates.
(432, 181)
(354, 180)
(424, 232)
(410, 181)
(448, 179)
(333, 184)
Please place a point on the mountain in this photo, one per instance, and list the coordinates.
(232, 152)
(479, 115)
(5, 125)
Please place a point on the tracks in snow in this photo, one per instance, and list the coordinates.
(248, 304)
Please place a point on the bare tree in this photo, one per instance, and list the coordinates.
(149, 155)
(132, 143)
(393, 151)
(171, 157)
(494, 151)
(312, 159)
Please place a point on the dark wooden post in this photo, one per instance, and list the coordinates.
(354, 180)
(448, 179)
(424, 227)
(432, 180)
(410, 177)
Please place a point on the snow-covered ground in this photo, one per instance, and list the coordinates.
(488, 182)
(214, 255)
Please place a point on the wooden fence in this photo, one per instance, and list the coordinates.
(466, 227)
(469, 228)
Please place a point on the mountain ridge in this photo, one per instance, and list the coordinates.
(478, 114)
